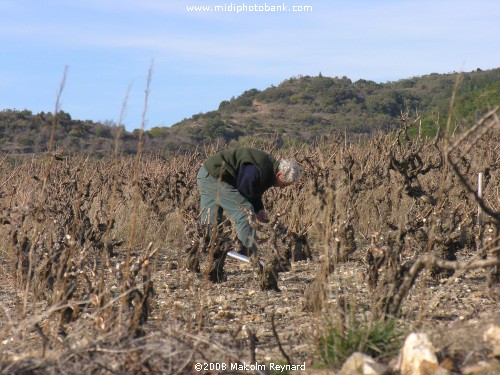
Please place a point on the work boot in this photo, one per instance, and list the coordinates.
(242, 249)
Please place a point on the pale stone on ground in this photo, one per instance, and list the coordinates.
(359, 363)
(492, 337)
(417, 349)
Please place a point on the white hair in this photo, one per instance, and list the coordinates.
(290, 170)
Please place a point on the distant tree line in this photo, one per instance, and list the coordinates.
(303, 107)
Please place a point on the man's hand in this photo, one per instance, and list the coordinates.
(262, 216)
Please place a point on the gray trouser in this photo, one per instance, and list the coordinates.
(216, 196)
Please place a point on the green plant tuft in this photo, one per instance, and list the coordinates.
(379, 340)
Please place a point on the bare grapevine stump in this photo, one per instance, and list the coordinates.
(445, 249)
(314, 295)
(299, 248)
(216, 273)
(346, 245)
(192, 262)
(268, 277)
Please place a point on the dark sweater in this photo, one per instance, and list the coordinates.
(249, 170)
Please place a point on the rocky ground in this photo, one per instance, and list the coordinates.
(453, 311)
(234, 318)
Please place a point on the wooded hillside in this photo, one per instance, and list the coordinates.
(301, 107)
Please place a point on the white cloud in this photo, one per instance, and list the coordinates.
(357, 38)
(115, 7)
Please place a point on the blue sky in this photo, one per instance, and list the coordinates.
(202, 58)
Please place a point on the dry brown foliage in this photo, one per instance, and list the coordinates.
(399, 205)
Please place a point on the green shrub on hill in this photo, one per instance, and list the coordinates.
(302, 107)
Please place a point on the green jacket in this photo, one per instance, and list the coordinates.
(226, 164)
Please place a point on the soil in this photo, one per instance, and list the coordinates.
(235, 316)
(453, 311)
